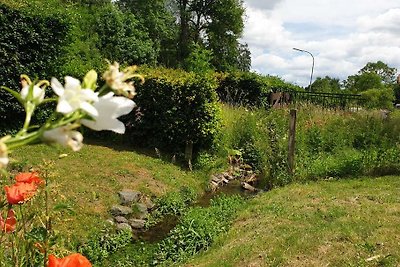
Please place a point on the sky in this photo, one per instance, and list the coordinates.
(342, 35)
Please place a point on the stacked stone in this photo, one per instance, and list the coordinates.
(132, 212)
(242, 172)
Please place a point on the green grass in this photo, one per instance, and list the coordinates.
(327, 223)
(84, 184)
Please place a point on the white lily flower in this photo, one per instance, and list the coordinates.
(72, 97)
(110, 107)
(3, 155)
(118, 80)
(64, 136)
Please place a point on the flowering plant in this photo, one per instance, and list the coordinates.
(78, 103)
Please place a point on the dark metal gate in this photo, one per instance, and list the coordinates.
(327, 100)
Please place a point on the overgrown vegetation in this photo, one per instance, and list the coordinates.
(196, 231)
(329, 143)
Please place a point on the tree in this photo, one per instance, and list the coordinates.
(387, 74)
(159, 22)
(122, 39)
(376, 75)
(215, 25)
(326, 85)
(363, 82)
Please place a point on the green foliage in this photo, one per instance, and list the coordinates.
(176, 107)
(344, 163)
(102, 244)
(29, 44)
(372, 76)
(326, 85)
(380, 68)
(174, 203)
(249, 89)
(378, 98)
(197, 230)
(122, 39)
(216, 25)
(341, 145)
(160, 23)
(199, 60)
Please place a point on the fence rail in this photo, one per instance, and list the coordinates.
(327, 100)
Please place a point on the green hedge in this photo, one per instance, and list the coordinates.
(175, 107)
(249, 89)
(30, 44)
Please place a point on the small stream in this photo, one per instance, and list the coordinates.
(159, 231)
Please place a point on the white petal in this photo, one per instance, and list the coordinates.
(64, 107)
(57, 87)
(124, 105)
(92, 111)
(89, 95)
(109, 124)
(24, 92)
(72, 83)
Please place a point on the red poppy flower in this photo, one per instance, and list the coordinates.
(10, 223)
(20, 192)
(28, 177)
(73, 260)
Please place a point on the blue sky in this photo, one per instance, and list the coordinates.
(343, 35)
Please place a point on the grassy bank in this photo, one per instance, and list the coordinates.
(326, 223)
(84, 184)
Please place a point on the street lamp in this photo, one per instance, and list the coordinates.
(312, 68)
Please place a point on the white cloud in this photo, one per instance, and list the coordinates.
(265, 4)
(342, 35)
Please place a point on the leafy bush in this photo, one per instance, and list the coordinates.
(379, 98)
(30, 44)
(122, 39)
(175, 107)
(198, 229)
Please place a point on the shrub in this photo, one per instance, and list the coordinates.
(175, 107)
(30, 44)
(379, 98)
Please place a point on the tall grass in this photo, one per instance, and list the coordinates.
(329, 143)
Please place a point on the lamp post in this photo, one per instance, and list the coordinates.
(312, 68)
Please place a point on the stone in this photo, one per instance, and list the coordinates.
(137, 223)
(119, 210)
(121, 219)
(148, 203)
(128, 197)
(248, 187)
(142, 211)
(124, 226)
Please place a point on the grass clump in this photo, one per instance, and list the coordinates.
(197, 230)
(174, 203)
(102, 244)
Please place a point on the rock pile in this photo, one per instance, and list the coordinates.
(242, 172)
(132, 212)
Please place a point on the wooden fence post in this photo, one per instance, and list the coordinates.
(292, 140)
(189, 153)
